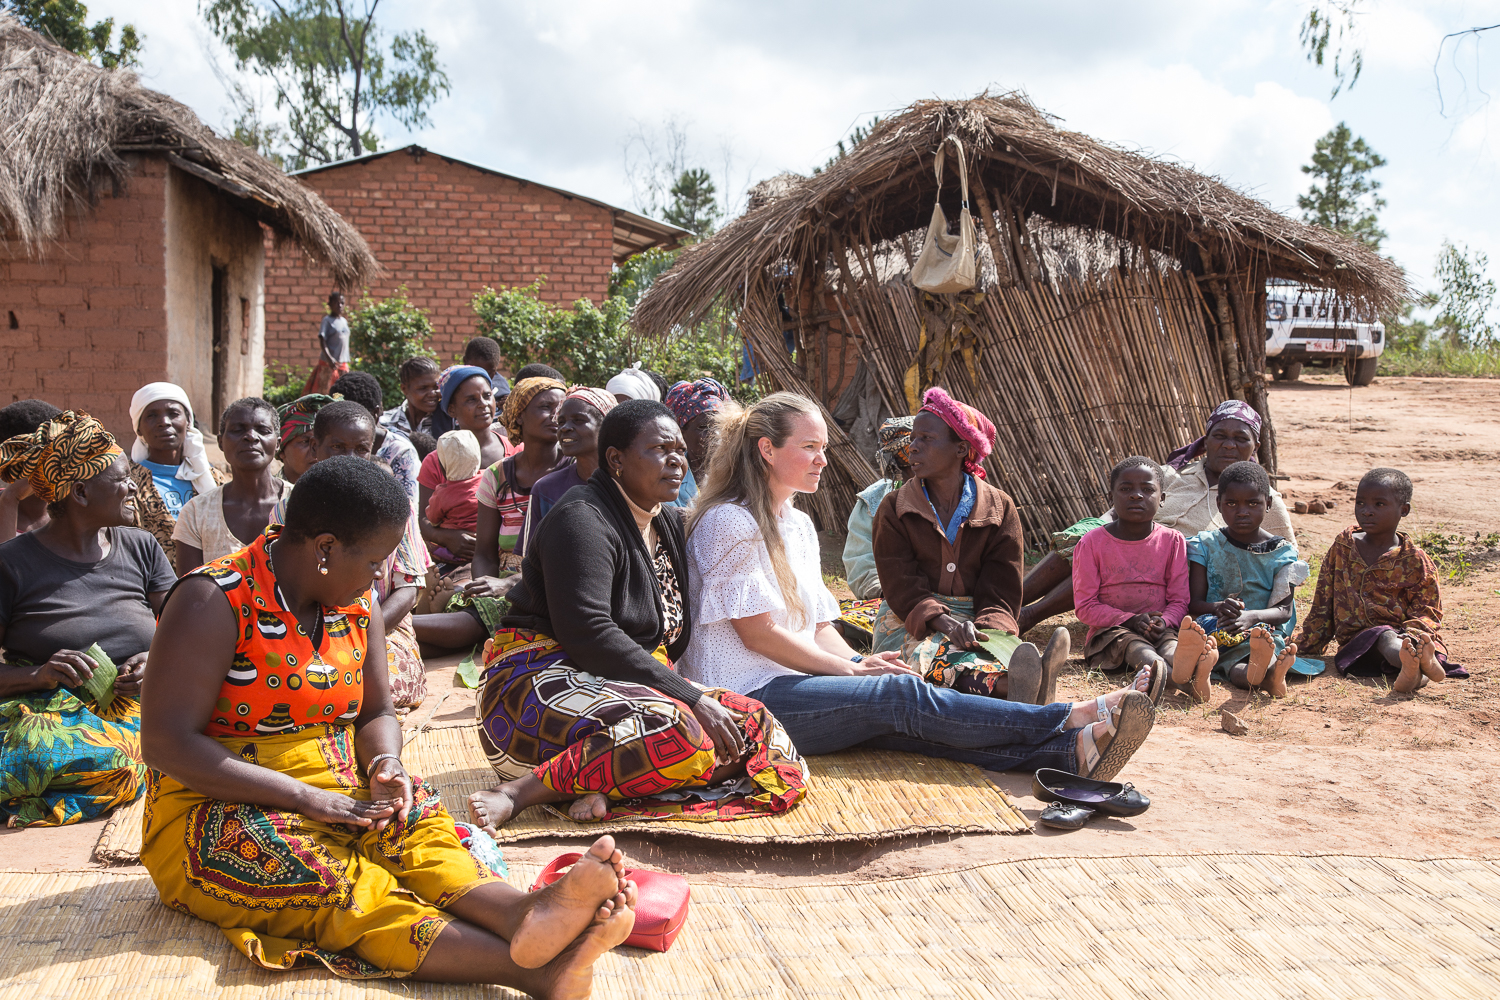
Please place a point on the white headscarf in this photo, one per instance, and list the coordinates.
(634, 383)
(194, 467)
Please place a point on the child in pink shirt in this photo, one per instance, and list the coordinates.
(1130, 579)
(453, 503)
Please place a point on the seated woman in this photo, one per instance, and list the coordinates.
(762, 626)
(578, 421)
(344, 428)
(20, 509)
(696, 404)
(504, 492)
(579, 700)
(1188, 505)
(892, 462)
(86, 579)
(297, 450)
(395, 449)
(282, 811)
(168, 461)
(216, 523)
(948, 546)
(466, 399)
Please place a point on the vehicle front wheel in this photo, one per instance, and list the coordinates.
(1291, 371)
(1360, 371)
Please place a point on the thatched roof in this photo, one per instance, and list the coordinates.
(66, 124)
(884, 189)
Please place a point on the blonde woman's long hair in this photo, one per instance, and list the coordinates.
(738, 474)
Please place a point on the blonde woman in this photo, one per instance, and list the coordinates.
(762, 626)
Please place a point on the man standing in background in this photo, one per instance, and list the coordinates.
(333, 345)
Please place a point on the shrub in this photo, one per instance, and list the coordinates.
(282, 383)
(383, 333)
(1436, 358)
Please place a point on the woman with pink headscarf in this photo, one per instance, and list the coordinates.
(948, 550)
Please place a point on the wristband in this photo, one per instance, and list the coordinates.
(857, 658)
(370, 767)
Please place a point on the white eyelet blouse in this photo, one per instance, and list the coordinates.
(730, 576)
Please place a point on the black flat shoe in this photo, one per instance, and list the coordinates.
(1108, 797)
(1065, 816)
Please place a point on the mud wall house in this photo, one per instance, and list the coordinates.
(132, 240)
(1119, 297)
(445, 228)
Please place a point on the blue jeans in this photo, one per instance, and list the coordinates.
(903, 712)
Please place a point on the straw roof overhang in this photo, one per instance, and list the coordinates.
(67, 125)
(631, 233)
(885, 187)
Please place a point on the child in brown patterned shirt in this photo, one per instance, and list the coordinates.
(1378, 594)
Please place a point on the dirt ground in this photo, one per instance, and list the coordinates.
(1339, 767)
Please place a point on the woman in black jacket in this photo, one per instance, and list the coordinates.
(579, 700)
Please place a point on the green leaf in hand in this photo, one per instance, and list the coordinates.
(999, 645)
(101, 684)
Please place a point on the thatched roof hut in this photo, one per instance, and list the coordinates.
(1121, 295)
(66, 126)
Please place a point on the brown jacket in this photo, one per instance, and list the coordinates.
(916, 562)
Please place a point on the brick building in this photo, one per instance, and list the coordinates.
(445, 228)
(139, 254)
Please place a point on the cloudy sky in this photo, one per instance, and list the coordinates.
(557, 91)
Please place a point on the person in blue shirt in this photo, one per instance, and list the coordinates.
(169, 463)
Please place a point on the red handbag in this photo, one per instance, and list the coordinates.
(661, 905)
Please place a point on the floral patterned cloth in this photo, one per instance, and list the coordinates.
(63, 759)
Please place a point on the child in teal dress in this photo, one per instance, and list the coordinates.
(1241, 579)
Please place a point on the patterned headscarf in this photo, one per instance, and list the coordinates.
(521, 396)
(70, 448)
(687, 400)
(597, 398)
(1230, 409)
(297, 417)
(894, 455)
(972, 427)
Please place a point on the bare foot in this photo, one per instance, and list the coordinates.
(1201, 688)
(1262, 651)
(1411, 669)
(1276, 682)
(491, 808)
(1191, 642)
(558, 913)
(1428, 661)
(570, 976)
(589, 809)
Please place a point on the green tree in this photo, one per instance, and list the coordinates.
(383, 333)
(694, 205)
(1466, 298)
(1343, 194)
(859, 135)
(332, 70)
(66, 23)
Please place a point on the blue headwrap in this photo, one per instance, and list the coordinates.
(448, 382)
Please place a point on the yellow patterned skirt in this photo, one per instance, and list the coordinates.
(288, 890)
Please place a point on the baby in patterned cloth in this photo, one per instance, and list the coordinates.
(1378, 594)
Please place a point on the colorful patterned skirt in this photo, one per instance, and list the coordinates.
(63, 760)
(323, 375)
(856, 622)
(581, 734)
(404, 659)
(288, 890)
(937, 660)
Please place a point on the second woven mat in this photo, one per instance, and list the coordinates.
(855, 795)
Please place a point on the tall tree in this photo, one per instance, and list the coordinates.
(694, 203)
(66, 23)
(1343, 194)
(1466, 298)
(331, 68)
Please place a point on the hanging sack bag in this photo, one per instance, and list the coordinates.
(661, 905)
(946, 263)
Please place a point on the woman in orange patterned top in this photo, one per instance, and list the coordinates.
(283, 813)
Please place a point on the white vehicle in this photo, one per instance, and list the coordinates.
(1312, 326)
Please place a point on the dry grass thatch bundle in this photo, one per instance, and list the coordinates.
(66, 125)
(885, 187)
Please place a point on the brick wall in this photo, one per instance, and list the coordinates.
(445, 230)
(84, 325)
